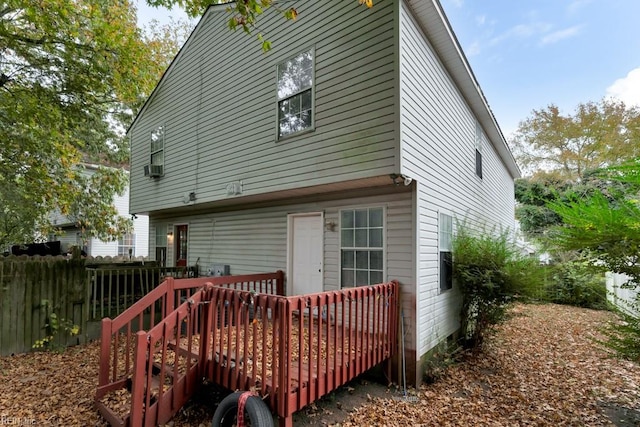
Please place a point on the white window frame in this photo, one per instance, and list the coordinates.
(382, 248)
(444, 248)
(155, 150)
(310, 89)
(123, 247)
(478, 151)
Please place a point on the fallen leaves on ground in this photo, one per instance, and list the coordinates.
(542, 367)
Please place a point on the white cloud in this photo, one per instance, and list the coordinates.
(575, 5)
(457, 3)
(627, 89)
(481, 19)
(473, 49)
(522, 31)
(556, 36)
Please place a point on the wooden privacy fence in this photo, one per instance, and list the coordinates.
(238, 333)
(32, 289)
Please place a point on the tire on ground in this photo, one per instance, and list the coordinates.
(256, 412)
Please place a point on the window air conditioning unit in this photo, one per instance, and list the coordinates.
(219, 270)
(153, 170)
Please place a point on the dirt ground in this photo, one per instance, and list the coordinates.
(543, 367)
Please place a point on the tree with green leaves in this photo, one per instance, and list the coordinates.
(72, 74)
(565, 147)
(605, 225)
(243, 14)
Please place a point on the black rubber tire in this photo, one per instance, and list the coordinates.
(256, 412)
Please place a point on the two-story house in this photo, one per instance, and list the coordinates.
(343, 156)
(134, 244)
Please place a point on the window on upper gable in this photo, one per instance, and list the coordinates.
(478, 150)
(295, 94)
(156, 161)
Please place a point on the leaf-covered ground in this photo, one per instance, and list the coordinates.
(542, 368)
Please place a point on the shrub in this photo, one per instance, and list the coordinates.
(489, 270)
(576, 283)
(623, 336)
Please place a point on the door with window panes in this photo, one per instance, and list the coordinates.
(361, 247)
(182, 244)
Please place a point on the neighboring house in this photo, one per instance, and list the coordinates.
(344, 156)
(624, 298)
(138, 240)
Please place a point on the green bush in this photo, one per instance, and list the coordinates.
(490, 271)
(623, 336)
(576, 283)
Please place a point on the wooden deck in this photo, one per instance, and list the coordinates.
(291, 350)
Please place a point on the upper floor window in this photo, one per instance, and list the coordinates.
(361, 241)
(127, 245)
(156, 164)
(478, 150)
(295, 94)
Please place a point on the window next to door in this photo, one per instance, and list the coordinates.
(361, 247)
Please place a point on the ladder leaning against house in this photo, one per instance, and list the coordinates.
(242, 333)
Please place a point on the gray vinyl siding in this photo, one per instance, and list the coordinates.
(437, 144)
(255, 240)
(218, 105)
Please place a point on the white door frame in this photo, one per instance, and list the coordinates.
(290, 254)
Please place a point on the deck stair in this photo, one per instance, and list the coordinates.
(242, 333)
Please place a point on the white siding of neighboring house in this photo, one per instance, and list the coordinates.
(438, 151)
(140, 229)
(70, 235)
(218, 105)
(623, 298)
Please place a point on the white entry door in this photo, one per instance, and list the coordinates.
(305, 253)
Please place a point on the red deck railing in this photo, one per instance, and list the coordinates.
(158, 322)
(291, 350)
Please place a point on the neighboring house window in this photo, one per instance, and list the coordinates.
(156, 164)
(295, 94)
(361, 247)
(126, 242)
(478, 150)
(445, 243)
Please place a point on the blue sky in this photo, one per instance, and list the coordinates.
(527, 54)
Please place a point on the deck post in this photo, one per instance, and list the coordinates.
(280, 283)
(137, 386)
(105, 352)
(171, 295)
(205, 330)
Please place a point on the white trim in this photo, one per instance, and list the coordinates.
(289, 283)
